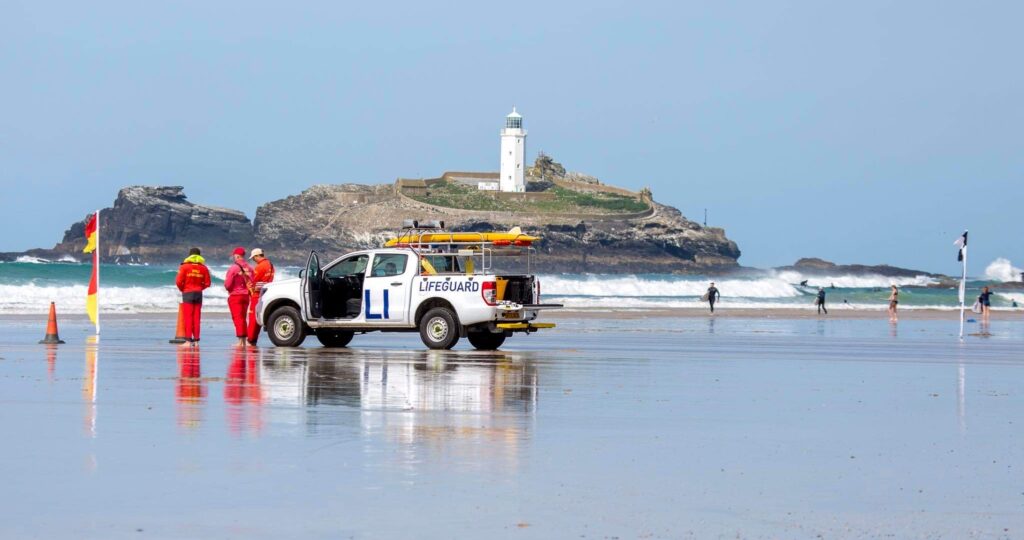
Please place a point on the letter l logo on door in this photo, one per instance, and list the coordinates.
(369, 309)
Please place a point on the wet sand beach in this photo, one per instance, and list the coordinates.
(622, 426)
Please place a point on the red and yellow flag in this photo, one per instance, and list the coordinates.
(90, 234)
(92, 239)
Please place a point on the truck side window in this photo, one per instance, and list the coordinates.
(442, 264)
(350, 266)
(389, 264)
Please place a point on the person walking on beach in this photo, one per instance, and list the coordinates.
(238, 281)
(894, 300)
(193, 278)
(712, 296)
(821, 301)
(261, 275)
(985, 298)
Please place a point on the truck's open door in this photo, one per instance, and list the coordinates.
(312, 282)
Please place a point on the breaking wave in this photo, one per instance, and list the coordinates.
(867, 281)
(70, 299)
(663, 286)
(777, 285)
(1002, 270)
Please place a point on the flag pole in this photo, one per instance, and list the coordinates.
(963, 284)
(97, 262)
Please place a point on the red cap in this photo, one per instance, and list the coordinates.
(240, 251)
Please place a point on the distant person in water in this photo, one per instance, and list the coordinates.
(986, 302)
(193, 278)
(821, 301)
(712, 296)
(894, 300)
(803, 283)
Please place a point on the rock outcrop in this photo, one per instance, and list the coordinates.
(338, 218)
(159, 224)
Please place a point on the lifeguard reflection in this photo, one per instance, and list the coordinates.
(190, 388)
(415, 398)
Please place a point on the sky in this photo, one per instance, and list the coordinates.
(859, 132)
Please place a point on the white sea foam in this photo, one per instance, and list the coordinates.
(67, 259)
(634, 286)
(31, 298)
(778, 285)
(1002, 270)
(1015, 296)
(30, 260)
(867, 281)
(642, 304)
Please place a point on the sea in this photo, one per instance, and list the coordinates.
(28, 285)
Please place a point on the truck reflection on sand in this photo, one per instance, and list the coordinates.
(409, 398)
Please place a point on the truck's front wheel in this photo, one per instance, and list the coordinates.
(333, 338)
(285, 327)
(486, 341)
(439, 329)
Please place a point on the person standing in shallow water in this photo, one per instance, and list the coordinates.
(712, 296)
(894, 300)
(821, 301)
(985, 298)
(193, 278)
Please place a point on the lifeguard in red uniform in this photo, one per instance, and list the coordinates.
(261, 275)
(239, 284)
(193, 278)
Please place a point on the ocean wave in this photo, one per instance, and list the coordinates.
(28, 259)
(645, 304)
(776, 285)
(31, 298)
(1012, 296)
(867, 281)
(1002, 270)
(636, 286)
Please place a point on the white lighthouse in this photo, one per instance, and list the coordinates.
(513, 154)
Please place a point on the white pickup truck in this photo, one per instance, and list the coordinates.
(407, 288)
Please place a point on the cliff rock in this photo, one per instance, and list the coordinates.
(159, 224)
(334, 219)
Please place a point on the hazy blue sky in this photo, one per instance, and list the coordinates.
(855, 131)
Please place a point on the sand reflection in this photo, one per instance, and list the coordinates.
(459, 404)
(190, 388)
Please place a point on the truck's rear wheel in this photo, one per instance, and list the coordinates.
(333, 338)
(285, 327)
(439, 329)
(486, 341)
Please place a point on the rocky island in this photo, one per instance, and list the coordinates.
(585, 225)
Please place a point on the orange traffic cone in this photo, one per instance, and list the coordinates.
(179, 333)
(51, 327)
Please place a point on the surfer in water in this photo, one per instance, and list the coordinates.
(820, 301)
(712, 296)
(894, 300)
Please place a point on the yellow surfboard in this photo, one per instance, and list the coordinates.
(511, 238)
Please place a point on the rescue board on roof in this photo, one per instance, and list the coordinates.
(511, 238)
